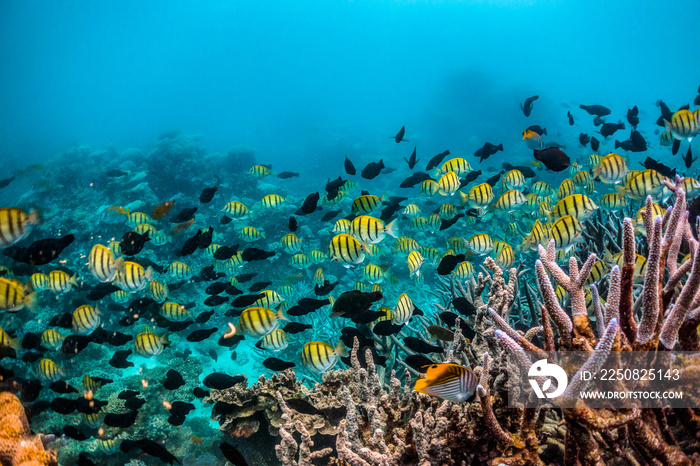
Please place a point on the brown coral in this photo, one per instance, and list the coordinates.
(18, 447)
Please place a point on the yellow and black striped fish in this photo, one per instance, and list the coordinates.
(611, 169)
(411, 211)
(538, 235)
(514, 179)
(576, 205)
(542, 189)
(404, 310)
(373, 230)
(319, 357)
(300, 261)
(60, 282)
(464, 270)
(275, 340)
(429, 188)
(272, 201)
(643, 184)
(510, 201)
(85, 319)
(137, 218)
(148, 343)
(259, 321)
(15, 224)
(373, 273)
(481, 243)
(366, 204)
(180, 270)
(259, 171)
(90, 384)
(108, 446)
(252, 234)
(448, 183)
(8, 342)
(158, 291)
(458, 165)
(682, 125)
(450, 382)
(13, 296)
(268, 298)
(597, 272)
(174, 312)
(419, 223)
(613, 201)
(447, 212)
(39, 281)
(102, 263)
(121, 296)
(344, 248)
(133, 277)
(505, 256)
(406, 245)
(566, 188)
(235, 209)
(415, 260)
(291, 244)
(566, 231)
(50, 371)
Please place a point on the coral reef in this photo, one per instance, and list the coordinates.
(18, 447)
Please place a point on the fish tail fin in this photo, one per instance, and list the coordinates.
(31, 301)
(74, 280)
(621, 190)
(120, 263)
(34, 217)
(499, 147)
(164, 340)
(544, 132)
(341, 349)
(463, 197)
(366, 249)
(281, 315)
(617, 143)
(149, 273)
(392, 229)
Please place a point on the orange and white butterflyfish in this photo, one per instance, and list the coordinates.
(450, 382)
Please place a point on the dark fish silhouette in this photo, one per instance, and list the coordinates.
(608, 129)
(325, 289)
(418, 362)
(206, 238)
(190, 245)
(207, 194)
(635, 143)
(277, 365)
(40, 252)
(287, 175)
(651, 164)
(307, 306)
(255, 254)
(495, 179)
(219, 381)
(598, 110)
(349, 167)
(173, 380)
(245, 300)
(633, 116)
(353, 303)
(414, 179)
(389, 211)
(437, 160)
(372, 170)
(4, 183)
(62, 387)
(464, 306)
(204, 317)
(527, 106)
(302, 406)
(178, 412)
(676, 145)
(296, 327)
(119, 359)
(419, 346)
(597, 121)
(309, 205)
(399, 136)
(595, 144)
(487, 151)
(232, 454)
(570, 117)
(332, 187)
(62, 405)
(74, 433)
(688, 158)
(293, 225)
(553, 158)
(184, 215)
(449, 263)
(202, 334)
(412, 161)
(666, 113)
(121, 420)
(259, 286)
(538, 129)
(524, 169)
(115, 173)
(149, 447)
(330, 215)
(215, 300)
(445, 224)
(225, 220)
(469, 177)
(583, 138)
(132, 243)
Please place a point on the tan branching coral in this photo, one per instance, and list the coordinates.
(18, 447)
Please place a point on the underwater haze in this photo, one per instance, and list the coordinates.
(231, 229)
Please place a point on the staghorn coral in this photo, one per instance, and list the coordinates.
(18, 447)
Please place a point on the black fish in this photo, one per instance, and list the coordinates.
(232, 454)
(639, 142)
(277, 365)
(121, 420)
(571, 118)
(215, 300)
(437, 160)
(469, 177)
(200, 393)
(207, 194)
(330, 215)
(372, 170)
(688, 158)
(595, 144)
(75, 433)
(597, 121)
(134, 403)
(651, 164)
(204, 317)
(206, 238)
(173, 380)
(495, 179)
(419, 346)
(295, 327)
(220, 381)
(6, 181)
(232, 290)
(487, 151)
(666, 113)
(302, 406)
(225, 252)
(349, 167)
(62, 405)
(449, 263)
(524, 169)
(412, 161)
(190, 245)
(445, 224)
(185, 215)
(150, 448)
(225, 220)
(348, 335)
(245, 277)
(64, 320)
(307, 306)
(119, 359)
(132, 243)
(608, 129)
(418, 362)
(598, 110)
(676, 145)
(552, 158)
(43, 251)
(101, 290)
(62, 387)
(286, 175)
(332, 187)
(245, 300)
(216, 288)
(30, 356)
(399, 136)
(202, 334)
(259, 286)
(325, 289)
(178, 411)
(583, 138)
(414, 179)
(74, 344)
(527, 106)
(353, 303)
(111, 337)
(389, 211)
(31, 340)
(538, 129)
(255, 254)
(633, 116)
(293, 225)
(464, 306)
(115, 173)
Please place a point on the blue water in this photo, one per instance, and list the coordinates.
(298, 85)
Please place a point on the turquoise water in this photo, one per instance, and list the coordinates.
(132, 104)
